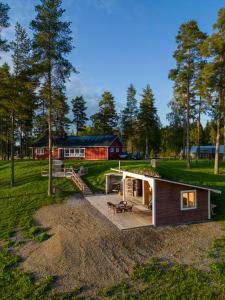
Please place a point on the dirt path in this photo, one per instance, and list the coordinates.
(86, 249)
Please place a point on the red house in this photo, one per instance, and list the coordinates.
(99, 147)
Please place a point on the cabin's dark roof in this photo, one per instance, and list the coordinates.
(78, 141)
(206, 149)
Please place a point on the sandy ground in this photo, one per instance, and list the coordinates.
(86, 249)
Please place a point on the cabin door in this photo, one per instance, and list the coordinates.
(61, 153)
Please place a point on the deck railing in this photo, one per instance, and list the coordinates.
(70, 173)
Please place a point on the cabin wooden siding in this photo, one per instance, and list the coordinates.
(96, 153)
(115, 145)
(46, 154)
(168, 204)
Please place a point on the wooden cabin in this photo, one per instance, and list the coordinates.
(99, 147)
(169, 202)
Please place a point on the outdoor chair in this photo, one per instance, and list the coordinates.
(128, 208)
(118, 209)
(111, 206)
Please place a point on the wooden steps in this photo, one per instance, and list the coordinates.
(77, 180)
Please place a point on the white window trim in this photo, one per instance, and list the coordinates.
(81, 155)
(181, 199)
(40, 151)
(112, 150)
(117, 150)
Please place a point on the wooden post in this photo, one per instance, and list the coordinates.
(209, 206)
(124, 188)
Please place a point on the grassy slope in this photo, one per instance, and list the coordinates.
(155, 279)
(16, 208)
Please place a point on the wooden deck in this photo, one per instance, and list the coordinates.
(138, 218)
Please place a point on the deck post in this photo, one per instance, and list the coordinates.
(124, 188)
(209, 206)
(106, 184)
(143, 192)
(154, 203)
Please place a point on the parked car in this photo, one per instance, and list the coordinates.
(125, 155)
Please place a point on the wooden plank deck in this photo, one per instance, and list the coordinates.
(138, 218)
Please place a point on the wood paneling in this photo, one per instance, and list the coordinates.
(96, 153)
(116, 144)
(168, 204)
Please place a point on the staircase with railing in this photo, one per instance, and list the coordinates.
(77, 180)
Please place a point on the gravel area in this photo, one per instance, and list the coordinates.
(86, 249)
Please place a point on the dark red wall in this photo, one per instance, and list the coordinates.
(45, 155)
(116, 144)
(168, 204)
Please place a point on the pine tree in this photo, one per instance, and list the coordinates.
(4, 122)
(188, 39)
(105, 121)
(60, 113)
(79, 113)
(214, 75)
(148, 123)
(129, 117)
(6, 107)
(24, 86)
(4, 23)
(52, 41)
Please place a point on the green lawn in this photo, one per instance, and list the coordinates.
(154, 280)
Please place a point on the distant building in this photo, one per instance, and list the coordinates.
(99, 147)
(207, 152)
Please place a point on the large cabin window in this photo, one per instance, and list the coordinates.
(188, 200)
(74, 152)
(40, 151)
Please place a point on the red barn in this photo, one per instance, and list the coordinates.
(99, 147)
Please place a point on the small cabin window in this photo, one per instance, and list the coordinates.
(40, 151)
(117, 150)
(111, 150)
(188, 200)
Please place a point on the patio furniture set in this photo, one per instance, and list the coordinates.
(121, 207)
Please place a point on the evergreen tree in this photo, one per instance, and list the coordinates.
(4, 121)
(4, 23)
(6, 109)
(214, 75)
(129, 118)
(105, 121)
(60, 113)
(52, 41)
(24, 86)
(172, 135)
(79, 113)
(148, 123)
(188, 39)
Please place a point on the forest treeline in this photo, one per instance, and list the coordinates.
(33, 100)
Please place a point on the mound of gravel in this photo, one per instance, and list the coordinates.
(87, 249)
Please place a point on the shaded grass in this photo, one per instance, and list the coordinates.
(159, 280)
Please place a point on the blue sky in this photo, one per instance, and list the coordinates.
(118, 42)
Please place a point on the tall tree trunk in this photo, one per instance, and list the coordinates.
(50, 188)
(199, 126)
(224, 139)
(146, 148)
(188, 117)
(218, 121)
(12, 148)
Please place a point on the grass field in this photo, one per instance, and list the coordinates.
(154, 280)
